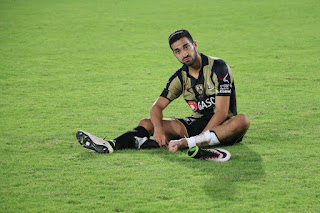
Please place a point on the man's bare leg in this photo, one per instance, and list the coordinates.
(173, 128)
(228, 132)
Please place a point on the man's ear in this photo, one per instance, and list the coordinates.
(195, 44)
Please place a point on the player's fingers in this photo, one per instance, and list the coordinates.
(159, 141)
(164, 141)
(167, 141)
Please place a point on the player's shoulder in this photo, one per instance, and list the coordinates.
(216, 61)
(177, 75)
(178, 72)
(218, 65)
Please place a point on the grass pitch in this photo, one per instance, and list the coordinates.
(99, 66)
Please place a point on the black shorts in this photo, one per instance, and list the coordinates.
(194, 126)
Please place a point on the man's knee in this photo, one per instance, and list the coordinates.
(241, 124)
(147, 124)
(244, 122)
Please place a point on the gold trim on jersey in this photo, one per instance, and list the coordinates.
(174, 88)
(184, 127)
(188, 93)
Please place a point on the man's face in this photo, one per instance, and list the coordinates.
(185, 51)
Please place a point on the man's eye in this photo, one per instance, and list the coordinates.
(177, 51)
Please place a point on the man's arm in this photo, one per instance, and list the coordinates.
(156, 117)
(221, 113)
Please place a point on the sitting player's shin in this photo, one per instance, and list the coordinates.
(207, 138)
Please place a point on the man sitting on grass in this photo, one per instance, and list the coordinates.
(207, 86)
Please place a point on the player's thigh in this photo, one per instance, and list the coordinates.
(240, 119)
(238, 124)
(174, 129)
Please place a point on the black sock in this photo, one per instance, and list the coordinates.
(127, 140)
(149, 144)
(141, 132)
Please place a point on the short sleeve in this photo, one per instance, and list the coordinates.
(225, 79)
(173, 88)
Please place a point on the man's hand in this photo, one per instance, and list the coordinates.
(176, 145)
(160, 136)
(156, 117)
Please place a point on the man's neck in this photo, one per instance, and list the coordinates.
(195, 68)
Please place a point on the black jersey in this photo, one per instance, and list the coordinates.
(215, 79)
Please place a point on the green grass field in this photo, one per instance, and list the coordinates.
(100, 65)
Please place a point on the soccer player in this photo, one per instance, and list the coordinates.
(207, 86)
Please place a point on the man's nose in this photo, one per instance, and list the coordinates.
(184, 53)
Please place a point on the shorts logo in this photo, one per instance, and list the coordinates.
(193, 105)
(199, 88)
(189, 120)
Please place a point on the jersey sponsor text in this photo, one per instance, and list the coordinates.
(201, 105)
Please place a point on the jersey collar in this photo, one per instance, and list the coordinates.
(204, 60)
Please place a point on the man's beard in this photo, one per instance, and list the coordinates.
(191, 62)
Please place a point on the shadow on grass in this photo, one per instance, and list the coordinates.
(220, 181)
(226, 179)
(242, 171)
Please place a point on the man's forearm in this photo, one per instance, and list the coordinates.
(156, 116)
(217, 119)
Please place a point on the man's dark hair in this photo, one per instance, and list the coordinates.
(178, 34)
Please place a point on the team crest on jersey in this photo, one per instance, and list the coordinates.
(199, 88)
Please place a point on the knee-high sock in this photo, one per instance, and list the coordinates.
(127, 140)
(207, 138)
(146, 143)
